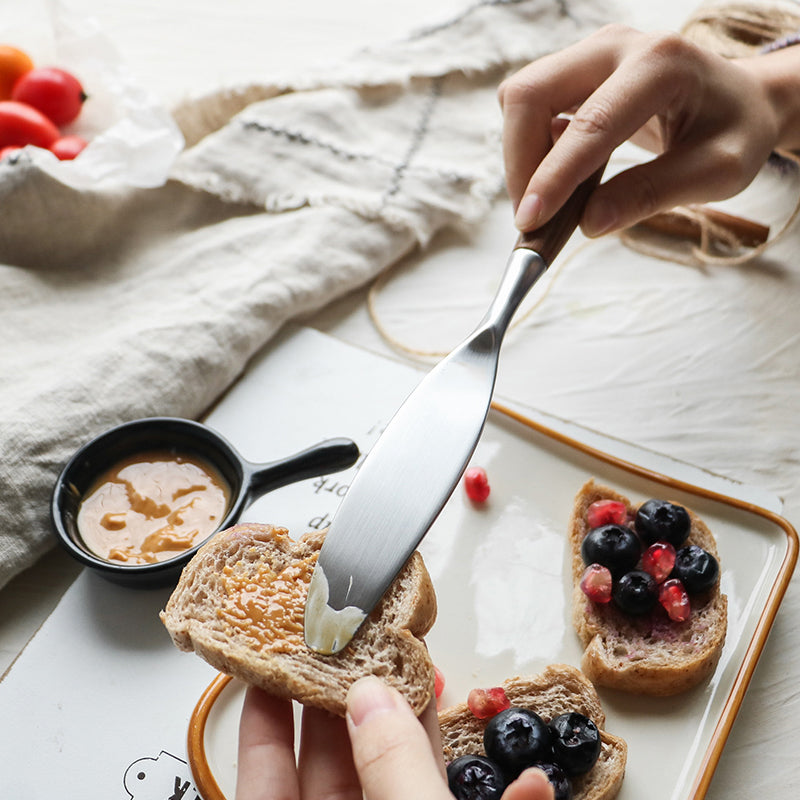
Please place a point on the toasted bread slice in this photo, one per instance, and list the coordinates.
(650, 654)
(240, 601)
(558, 689)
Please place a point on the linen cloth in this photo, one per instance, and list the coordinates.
(124, 303)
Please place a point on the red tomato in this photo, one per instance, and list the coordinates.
(14, 63)
(67, 147)
(55, 92)
(20, 125)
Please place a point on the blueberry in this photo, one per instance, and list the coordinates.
(635, 592)
(696, 568)
(613, 546)
(475, 778)
(516, 738)
(576, 742)
(562, 788)
(660, 521)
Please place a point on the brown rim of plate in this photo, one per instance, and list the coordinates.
(204, 779)
(207, 785)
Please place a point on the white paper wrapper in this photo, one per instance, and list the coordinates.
(133, 140)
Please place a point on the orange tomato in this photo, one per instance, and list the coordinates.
(14, 63)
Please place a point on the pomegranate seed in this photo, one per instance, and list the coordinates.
(476, 484)
(659, 560)
(675, 600)
(606, 512)
(596, 583)
(485, 703)
(438, 686)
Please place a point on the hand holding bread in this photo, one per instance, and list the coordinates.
(381, 751)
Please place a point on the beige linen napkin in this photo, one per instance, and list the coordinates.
(121, 304)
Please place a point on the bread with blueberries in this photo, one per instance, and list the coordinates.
(240, 601)
(553, 721)
(647, 604)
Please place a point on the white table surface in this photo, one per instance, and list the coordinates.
(722, 392)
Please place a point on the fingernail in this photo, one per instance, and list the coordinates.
(535, 778)
(528, 212)
(534, 774)
(599, 218)
(368, 696)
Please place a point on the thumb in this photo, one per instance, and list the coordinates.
(391, 750)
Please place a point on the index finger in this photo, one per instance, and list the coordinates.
(634, 93)
(533, 97)
(326, 767)
(266, 749)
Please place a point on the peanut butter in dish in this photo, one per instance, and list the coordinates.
(267, 607)
(152, 507)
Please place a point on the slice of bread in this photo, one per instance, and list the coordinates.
(240, 601)
(558, 689)
(649, 654)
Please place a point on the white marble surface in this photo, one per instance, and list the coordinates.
(703, 365)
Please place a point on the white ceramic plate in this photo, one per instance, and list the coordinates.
(502, 577)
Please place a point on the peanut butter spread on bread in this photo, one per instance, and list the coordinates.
(266, 607)
(240, 605)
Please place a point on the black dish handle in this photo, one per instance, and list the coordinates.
(330, 455)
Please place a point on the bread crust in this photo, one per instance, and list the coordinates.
(651, 654)
(389, 644)
(556, 690)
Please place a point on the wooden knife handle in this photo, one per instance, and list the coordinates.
(548, 240)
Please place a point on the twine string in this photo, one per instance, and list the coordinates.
(421, 354)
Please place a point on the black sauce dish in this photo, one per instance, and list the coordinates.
(246, 481)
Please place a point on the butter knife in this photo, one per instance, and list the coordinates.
(414, 467)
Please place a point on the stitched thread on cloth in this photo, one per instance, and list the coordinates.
(399, 169)
(563, 8)
(417, 137)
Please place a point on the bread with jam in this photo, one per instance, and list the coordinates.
(559, 689)
(646, 653)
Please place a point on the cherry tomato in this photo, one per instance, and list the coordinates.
(14, 63)
(67, 147)
(55, 92)
(20, 125)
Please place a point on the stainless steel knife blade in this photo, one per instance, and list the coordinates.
(419, 459)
